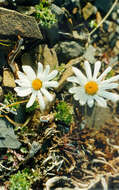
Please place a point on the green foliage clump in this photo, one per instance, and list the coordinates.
(33, 107)
(64, 113)
(10, 98)
(110, 74)
(92, 24)
(44, 15)
(20, 181)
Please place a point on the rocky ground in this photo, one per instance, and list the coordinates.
(66, 147)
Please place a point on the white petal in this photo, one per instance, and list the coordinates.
(74, 90)
(90, 101)
(96, 69)
(31, 100)
(23, 83)
(83, 99)
(22, 91)
(40, 71)
(82, 78)
(40, 67)
(108, 86)
(112, 79)
(101, 101)
(41, 101)
(52, 75)
(49, 84)
(88, 70)
(22, 76)
(46, 70)
(80, 95)
(47, 94)
(29, 72)
(73, 79)
(102, 76)
(77, 96)
(109, 95)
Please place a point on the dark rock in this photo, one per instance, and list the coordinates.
(72, 7)
(62, 17)
(51, 34)
(13, 23)
(1, 94)
(68, 50)
(68, 4)
(103, 5)
(24, 2)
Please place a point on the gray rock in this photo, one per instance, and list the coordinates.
(68, 50)
(7, 137)
(117, 29)
(90, 54)
(13, 23)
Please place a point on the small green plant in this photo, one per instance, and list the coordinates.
(20, 181)
(110, 74)
(64, 113)
(92, 24)
(10, 98)
(44, 15)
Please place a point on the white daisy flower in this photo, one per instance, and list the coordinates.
(36, 84)
(91, 88)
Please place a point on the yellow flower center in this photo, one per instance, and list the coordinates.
(36, 84)
(91, 87)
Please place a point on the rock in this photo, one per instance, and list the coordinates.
(51, 34)
(114, 15)
(63, 79)
(88, 10)
(72, 7)
(3, 2)
(1, 94)
(117, 29)
(68, 50)
(28, 59)
(67, 72)
(62, 17)
(13, 23)
(7, 137)
(117, 44)
(90, 54)
(68, 4)
(8, 79)
(28, 2)
(116, 51)
(103, 5)
(3, 61)
(94, 119)
(48, 56)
